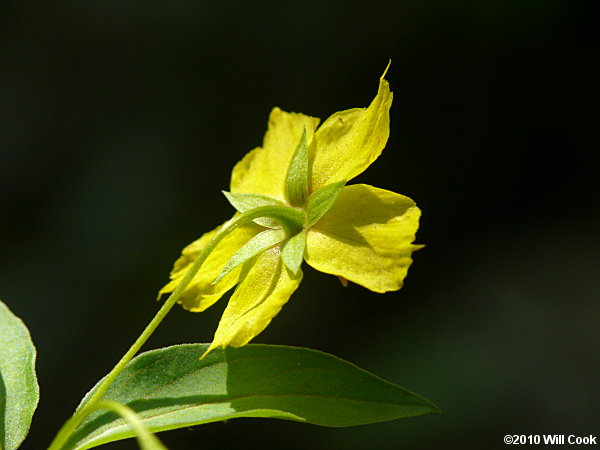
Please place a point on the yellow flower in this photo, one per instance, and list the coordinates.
(365, 235)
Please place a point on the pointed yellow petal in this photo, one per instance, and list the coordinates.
(263, 170)
(366, 238)
(201, 292)
(261, 294)
(349, 141)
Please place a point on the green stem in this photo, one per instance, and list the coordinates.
(146, 440)
(283, 215)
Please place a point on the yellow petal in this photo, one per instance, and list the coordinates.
(366, 237)
(261, 294)
(263, 170)
(201, 292)
(349, 141)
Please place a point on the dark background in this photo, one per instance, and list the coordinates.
(121, 122)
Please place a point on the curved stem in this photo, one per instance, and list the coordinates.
(146, 439)
(280, 213)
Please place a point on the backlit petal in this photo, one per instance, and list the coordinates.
(261, 294)
(349, 141)
(366, 237)
(201, 292)
(263, 170)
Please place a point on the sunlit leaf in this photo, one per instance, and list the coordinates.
(19, 391)
(172, 388)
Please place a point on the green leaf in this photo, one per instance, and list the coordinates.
(19, 391)
(250, 249)
(292, 253)
(321, 201)
(296, 179)
(172, 388)
(246, 202)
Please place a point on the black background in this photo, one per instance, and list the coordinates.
(121, 122)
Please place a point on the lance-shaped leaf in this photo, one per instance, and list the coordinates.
(172, 388)
(19, 391)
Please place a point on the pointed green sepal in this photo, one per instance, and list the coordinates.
(296, 179)
(321, 201)
(246, 202)
(250, 249)
(292, 253)
(291, 220)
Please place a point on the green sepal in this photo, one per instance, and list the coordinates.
(290, 219)
(292, 253)
(246, 202)
(19, 390)
(250, 249)
(321, 201)
(296, 179)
